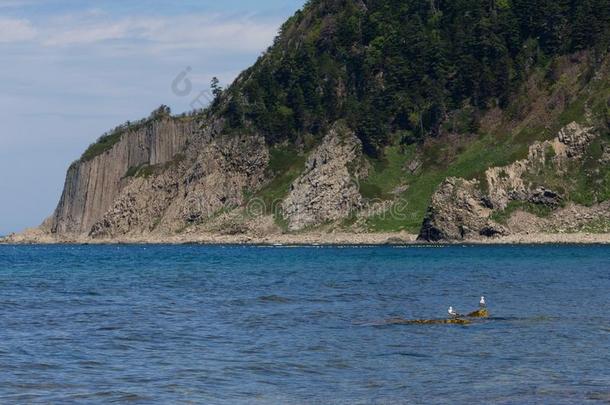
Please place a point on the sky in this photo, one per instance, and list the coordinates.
(72, 69)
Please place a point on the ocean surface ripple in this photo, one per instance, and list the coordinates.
(303, 325)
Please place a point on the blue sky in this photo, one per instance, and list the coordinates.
(72, 69)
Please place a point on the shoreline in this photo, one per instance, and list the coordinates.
(37, 237)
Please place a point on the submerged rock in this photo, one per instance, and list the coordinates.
(456, 321)
(481, 313)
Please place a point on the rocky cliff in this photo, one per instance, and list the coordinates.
(92, 185)
(163, 176)
(328, 189)
(464, 209)
(459, 211)
(212, 176)
(466, 120)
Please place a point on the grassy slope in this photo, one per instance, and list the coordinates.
(587, 183)
(285, 165)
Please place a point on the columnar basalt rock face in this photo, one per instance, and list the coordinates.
(328, 189)
(211, 178)
(165, 176)
(92, 186)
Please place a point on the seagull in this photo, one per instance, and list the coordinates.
(482, 303)
(452, 312)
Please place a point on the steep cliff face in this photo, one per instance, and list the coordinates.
(328, 189)
(212, 176)
(92, 185)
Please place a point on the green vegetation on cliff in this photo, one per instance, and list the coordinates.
(111, 138)
(285, 165)
(405, 69)
(419, 82)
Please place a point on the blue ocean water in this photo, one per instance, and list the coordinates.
(303, 325)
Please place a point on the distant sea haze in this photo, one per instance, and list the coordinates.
(303, 325)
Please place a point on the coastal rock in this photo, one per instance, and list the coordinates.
(93, 185)
(509, 183)
(328, 189)
(455, 321)
(458, 211)
(191, 191)
(575, 139)
(28, 236)
(506, 184)
(543, 196)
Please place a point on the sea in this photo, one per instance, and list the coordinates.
(303, 325)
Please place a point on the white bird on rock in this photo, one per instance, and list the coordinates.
(452, 312)
(482, 303)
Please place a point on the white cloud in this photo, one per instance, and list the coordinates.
(16, 30)
(163, 33)
(152, 33)
(204, 32)
(86, 35)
